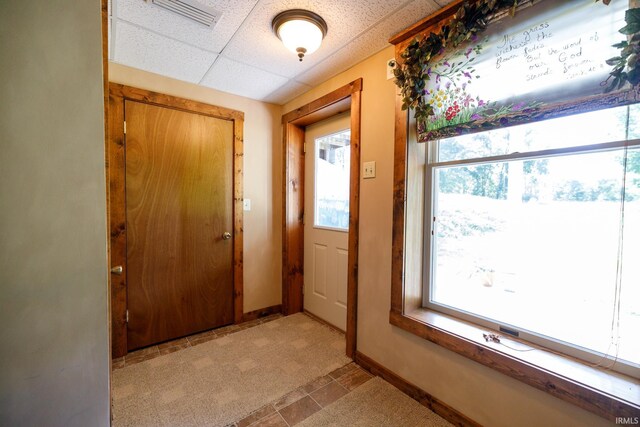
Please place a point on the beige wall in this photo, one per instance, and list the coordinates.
(262, 178)
(54, 342)
(481, 393)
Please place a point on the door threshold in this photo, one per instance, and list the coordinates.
(172, 346)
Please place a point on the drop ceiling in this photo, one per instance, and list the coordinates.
(241, 55)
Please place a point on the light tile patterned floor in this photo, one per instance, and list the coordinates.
(224, 375)
(190, 341)
(307, 402)
(308, 399)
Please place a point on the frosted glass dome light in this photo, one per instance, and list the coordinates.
(301, 31)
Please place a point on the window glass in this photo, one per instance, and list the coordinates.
(332, 157)
(634, 121)
(543, 244)
(569, 131)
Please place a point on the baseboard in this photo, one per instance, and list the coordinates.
(415, 392)
(262, 312)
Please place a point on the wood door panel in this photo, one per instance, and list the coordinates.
(179, 198)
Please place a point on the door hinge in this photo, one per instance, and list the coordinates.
(125, 127)
(127, 317)
(304, 147)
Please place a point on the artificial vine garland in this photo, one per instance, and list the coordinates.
(412, 73)
(629, 53)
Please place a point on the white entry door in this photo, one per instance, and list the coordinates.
(326, 219)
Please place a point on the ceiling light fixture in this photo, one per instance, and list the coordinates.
(301, 31)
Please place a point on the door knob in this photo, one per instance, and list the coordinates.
(226, 235)
(117, 270)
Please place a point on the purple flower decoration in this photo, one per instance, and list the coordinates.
(466, 74)
(429, 71)
(475, 116)
(481, 102)
(518, 106)
(446, 63)
(448, 85)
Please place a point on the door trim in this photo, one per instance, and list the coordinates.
(345, 98)
(116, 216)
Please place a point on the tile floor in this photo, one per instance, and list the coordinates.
(190, 341)
(305, 401)
(287, 411)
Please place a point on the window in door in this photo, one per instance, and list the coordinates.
(332, 181)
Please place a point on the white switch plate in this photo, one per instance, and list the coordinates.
(369, 170)
(246, 204)
(390, 68)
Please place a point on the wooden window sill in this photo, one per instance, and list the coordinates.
(605, 393)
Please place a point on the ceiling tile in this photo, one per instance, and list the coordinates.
(148, 51)
(241, 79)
(253, 62)
(152, 17)
(287, 92)
(368, 43)
(255, 42)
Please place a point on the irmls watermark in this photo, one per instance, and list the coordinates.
(629, 421)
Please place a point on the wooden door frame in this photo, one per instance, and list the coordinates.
(118, 94)
(345, 98)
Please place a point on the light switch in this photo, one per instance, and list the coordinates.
(246, 204)
(369, 170)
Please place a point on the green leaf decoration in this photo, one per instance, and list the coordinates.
(626, 68)
(613, 61)
(630, 28)
(632, 16)
(634, 76)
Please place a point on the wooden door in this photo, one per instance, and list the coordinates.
(326, 219)
(179, 205)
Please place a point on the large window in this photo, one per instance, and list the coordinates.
(535, 231)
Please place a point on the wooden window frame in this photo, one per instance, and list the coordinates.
(345, 98)
(116, 218)
(607, 394)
